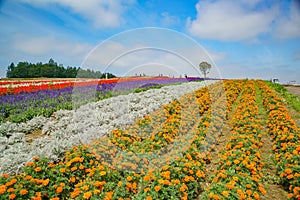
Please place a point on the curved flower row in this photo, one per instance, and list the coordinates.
(238, 175)
(286, 140)
(233, 90)
(106, 170)
(16, 87)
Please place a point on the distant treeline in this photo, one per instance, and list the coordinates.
(51, 70)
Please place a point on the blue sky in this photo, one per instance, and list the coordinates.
(241, 38)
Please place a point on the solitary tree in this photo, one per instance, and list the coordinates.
(204, 68)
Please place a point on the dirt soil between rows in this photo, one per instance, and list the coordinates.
(293, 89)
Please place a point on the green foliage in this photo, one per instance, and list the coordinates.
(109, 75)
(204, 68)
(138, 90)
(283, 92)
(49, 70)
(88, 73)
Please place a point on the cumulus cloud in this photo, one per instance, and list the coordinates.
(47, 46)
(289, 26)
(231, 20)
(103, 13)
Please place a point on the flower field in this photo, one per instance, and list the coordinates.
(166, 154)
(22, 100)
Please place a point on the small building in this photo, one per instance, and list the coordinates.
(293, 82)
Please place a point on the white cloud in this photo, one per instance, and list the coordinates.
(137, 58)
(289, 26)
(168, 19)
(231, 20)
(103, 13)
(47, 45)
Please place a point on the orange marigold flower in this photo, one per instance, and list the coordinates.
(55, 198)
(74, 168)
(256, 196)
(45, 182)
(290, 176)
(147, 178)
(38, 169)
(38, 194)
(72, 179)
(146, 189)
(236, 162)
(12, 196)
(97, 191)
(249, 192)
(5, 175)
(288, 171)
(81, 167)
(262, 190)
(85, 187)
(157, 188)
(23, 192)
(29, 164)
(120, 183)
(75, 194)
(28, 177)
(200, 174)
(230, 186)
(129, 178)
(37, 198)
(166, 182)
(13, 181)
(148, 198)
(9, 190)
(87, 195)
(62, 170)
(2, 189)
(59, 190)
(189, 156)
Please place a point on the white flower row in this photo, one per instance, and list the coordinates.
(93, 120)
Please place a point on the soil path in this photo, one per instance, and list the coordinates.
(294, 90)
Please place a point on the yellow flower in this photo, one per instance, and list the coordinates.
(157, 188)
(129, 178)
(102, 173)
(225, 193)
(87, 195)
(120, 183)
(85, 187)
(45, 182)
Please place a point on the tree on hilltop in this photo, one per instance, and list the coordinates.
(205, 68)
